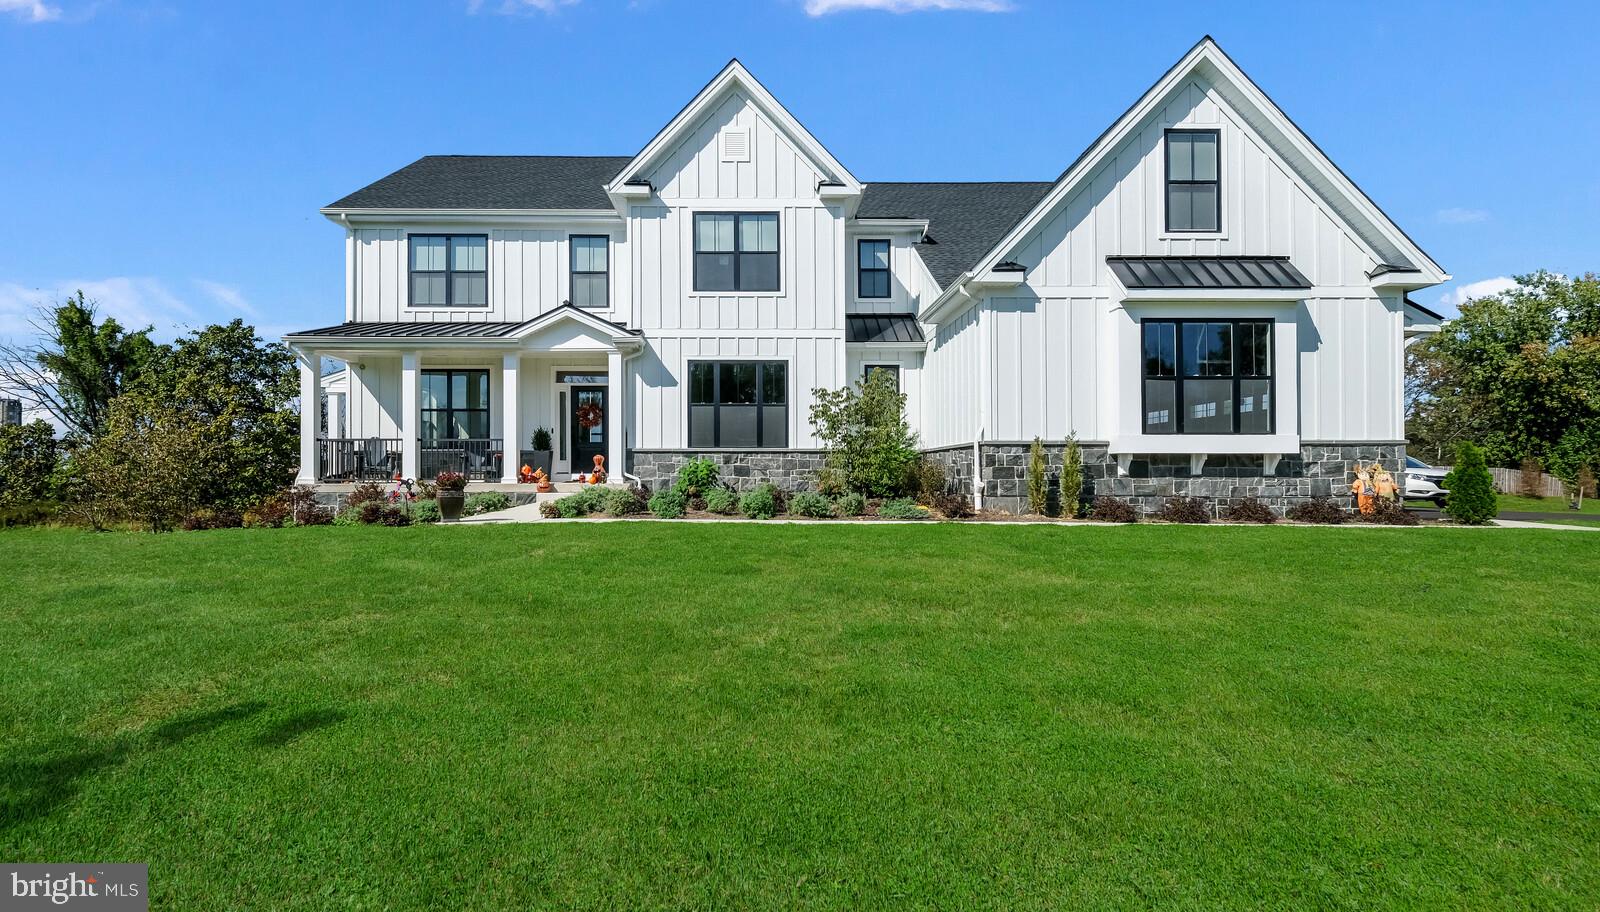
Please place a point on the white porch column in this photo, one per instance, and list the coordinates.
(310, 414)
(616, 407)
(410, 414)
(510, 425)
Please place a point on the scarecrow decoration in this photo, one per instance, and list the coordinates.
(1373, 483)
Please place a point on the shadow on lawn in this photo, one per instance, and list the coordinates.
(296, 725)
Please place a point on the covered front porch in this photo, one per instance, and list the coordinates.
(418, 399)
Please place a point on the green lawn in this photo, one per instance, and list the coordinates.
(1591, 507)
(634, 715)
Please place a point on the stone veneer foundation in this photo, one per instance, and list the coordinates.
(789, 470)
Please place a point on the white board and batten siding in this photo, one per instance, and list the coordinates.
(911, 287)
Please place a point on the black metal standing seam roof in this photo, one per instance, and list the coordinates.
(965, 220)
(882, 328)
(493, 182)
(1268, 272)
(413, 329)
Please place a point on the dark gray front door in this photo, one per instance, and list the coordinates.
(587, 442)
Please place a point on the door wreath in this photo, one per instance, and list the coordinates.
(589, 415)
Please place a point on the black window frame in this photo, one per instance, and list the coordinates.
(450, 409)
(870, 366)
(1167, 181)
(573, 272)
(762, 364)
(862, 270)
(1235, 375)
(738, 252)
(449, 272)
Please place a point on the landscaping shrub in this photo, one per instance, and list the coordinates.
(1472, 500)
(303, 507)
(622, 501)
(722, 500)
(870, 447)
(1112, 510)
(425, 511)
(1389, 513)
(1184, 510)
(927, 480)
(394, 516)
(271, 513)
(27, 514)
(760, 502)
(349, 516)
(28, 457)
(669, 503)
(1249, 510)
(1072, 477)
(953, 506)
(206, 519)
(374, 513)
(810, 503)
(365, 492)
(902, 508)
(1530, 479)
(850, 504)
(485, 502)
(1038, 479)
(1320, 510)
(696, 477)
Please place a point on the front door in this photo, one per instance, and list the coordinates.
(588, 404)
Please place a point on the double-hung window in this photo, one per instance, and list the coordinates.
(891, 370)
(591, 273)
(455, 405)
(1208, 377)
(872, 269)
(449, 270)
(738, 404)
(1194, 183)
(736, 251)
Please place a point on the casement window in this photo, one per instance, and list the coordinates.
(893, 370)
(1194, 182)
(449, 270)
(736, 251)
(591, 270)
(455, 404)
(1208, 377)
(872, 269)
(743, 404)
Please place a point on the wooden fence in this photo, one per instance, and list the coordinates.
(1509, 481)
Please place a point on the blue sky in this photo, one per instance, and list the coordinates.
(169, 157)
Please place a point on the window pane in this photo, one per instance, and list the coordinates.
(427, 289)
(1255, 349)
(758, 272)
(589, 290)
(589, 254)
(774, 383)
(738, 426)
(874, 254)
(1180, 213)
(470, 290)
(477, 390)
(427, 253)
(1208, 406)
(431, 424)
(1203, 206)
(713, 271)
(738, 383)
(477, 424)
(435, 390)
(758, 233)
(457, 390)
(702, 383)
(1160, 406)
(580, 377)
(1205, 156)
(713, 233)
(702, 425)
(1160, 349)
(469, 254)
(1255, 406)
(774, 426)
(1180, 156)
(1208, 349)
(875, 284)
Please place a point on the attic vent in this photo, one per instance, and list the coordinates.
(735, 145)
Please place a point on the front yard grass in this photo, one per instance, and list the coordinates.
(636, 715)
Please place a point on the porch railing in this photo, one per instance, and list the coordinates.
(353, 459)
(479, 458)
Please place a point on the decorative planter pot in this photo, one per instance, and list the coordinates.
(543, 459)
(450, 503)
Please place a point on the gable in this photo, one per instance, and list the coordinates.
(772, 167)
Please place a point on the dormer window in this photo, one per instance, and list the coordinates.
(1194, 184)
(872, 269)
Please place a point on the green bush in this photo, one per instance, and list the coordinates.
(761, 502)
(1072, 477)
(722, 500)
(1471, 499)
(810, 503)
(927, 480)
(1038, 479)
(669, 503)
(902, 508)
(28, 456)
(485, 502)
(621, 502)
(870, 447)
(27, 514)
(425, 511)
(349, 516)
(850, 504)
(697, 476)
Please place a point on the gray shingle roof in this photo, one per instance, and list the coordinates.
(964, 219)
(1207, 272)
(882, 328)
(493, 182)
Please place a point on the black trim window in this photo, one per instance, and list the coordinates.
(738, 404)
(736, 251)
(872, 269)
(893, 370)
(1194, 180)
(449, 270)
(591, 270)
(1208, 377)
(455, 404)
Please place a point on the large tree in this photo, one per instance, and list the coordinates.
(1519, 372)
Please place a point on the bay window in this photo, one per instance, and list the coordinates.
(739, 404)
(1208, 377)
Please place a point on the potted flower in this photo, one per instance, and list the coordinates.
(543, 453)
(452, 494)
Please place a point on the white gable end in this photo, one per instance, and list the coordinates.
(735, 152)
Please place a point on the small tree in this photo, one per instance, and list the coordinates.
(1072, 477)
(1530, 481)
(1471, 488)
(147, 466)
(870, 447)
(1584, 484)
(1038, 479)
(28, 455)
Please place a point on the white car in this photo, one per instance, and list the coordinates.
(1425, 482)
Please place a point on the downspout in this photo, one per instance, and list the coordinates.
(635, 480)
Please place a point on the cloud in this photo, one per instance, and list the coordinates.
(1482, 288)
(513, 7)
(30, 10)
(135, 301)
(1458, 216)
(824, 7)
(228, 296)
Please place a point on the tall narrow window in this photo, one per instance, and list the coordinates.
(449, 270)
(1208, 377)
(872, 269)
(736, 251)
(1194, 184)
(455, 405)
(591, 270)
(740, 404)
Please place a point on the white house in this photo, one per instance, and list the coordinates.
(1204, 299)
